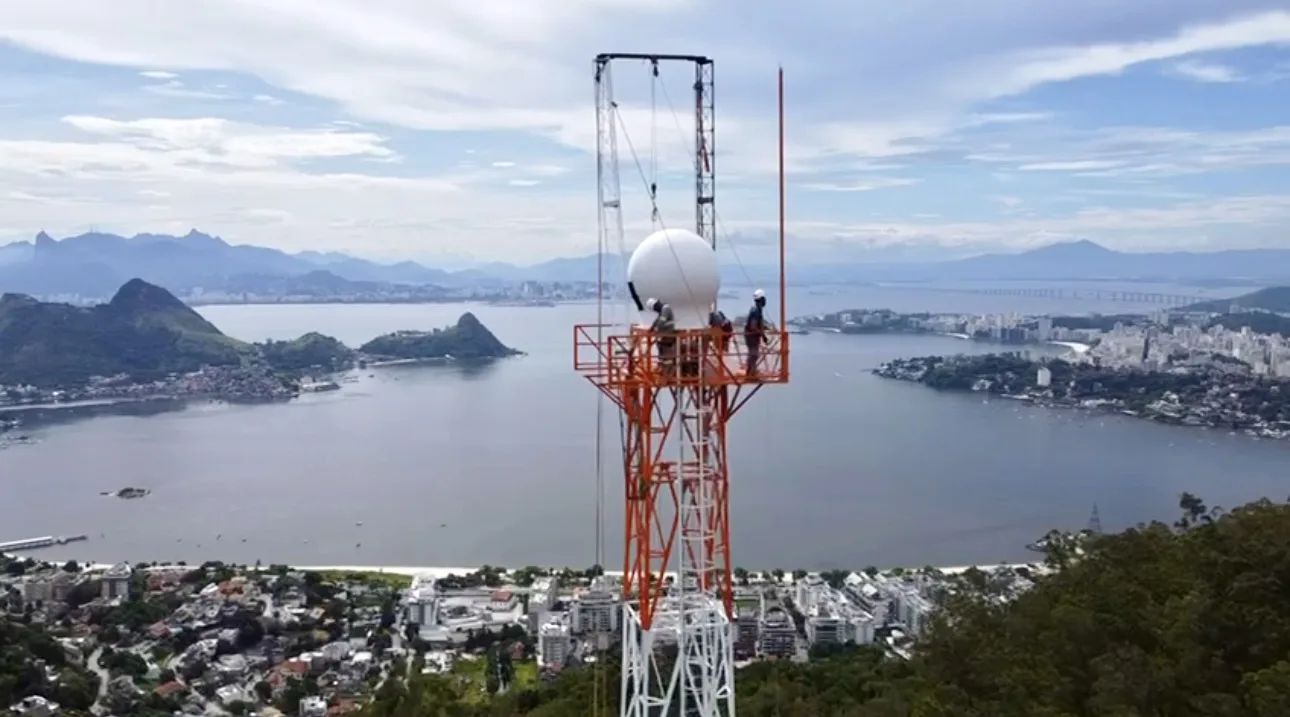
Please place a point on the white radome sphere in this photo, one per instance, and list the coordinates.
(680, 269)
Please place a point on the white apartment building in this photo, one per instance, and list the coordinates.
(555, 641)
(597, 609)
(423, 602)
(807, 589)
(116, 581)
(1044, 330)
(832, 617)
(36, 588)
(777, 635)
(914, 611)
(893, 600)
(542, 595)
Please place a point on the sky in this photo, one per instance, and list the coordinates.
(462, 131)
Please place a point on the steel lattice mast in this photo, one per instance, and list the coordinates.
(678, 631)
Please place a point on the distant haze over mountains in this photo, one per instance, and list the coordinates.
(95, 264)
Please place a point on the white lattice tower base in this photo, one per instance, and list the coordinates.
(698, 681)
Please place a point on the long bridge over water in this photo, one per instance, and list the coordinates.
(1067, 294)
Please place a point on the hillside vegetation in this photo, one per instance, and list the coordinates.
(313, 350)
(468, 339)
(1273, 298)
(144, 332)
(1188, 620)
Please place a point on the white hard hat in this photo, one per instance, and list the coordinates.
(759, 294)
(651, 303)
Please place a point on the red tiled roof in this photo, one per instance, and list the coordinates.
(169, 688)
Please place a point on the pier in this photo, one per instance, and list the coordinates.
(43, 542)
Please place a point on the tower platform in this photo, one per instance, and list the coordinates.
(615, 359)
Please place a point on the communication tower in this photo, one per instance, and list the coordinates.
(676, 393)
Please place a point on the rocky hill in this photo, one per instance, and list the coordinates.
(468, 340)
(143, 332)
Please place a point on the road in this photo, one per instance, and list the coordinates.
(92, 662)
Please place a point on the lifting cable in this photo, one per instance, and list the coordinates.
(655, 219)
(716, 215)
(640, 169)
(602, 229)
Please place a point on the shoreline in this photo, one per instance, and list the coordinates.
(1076, 346)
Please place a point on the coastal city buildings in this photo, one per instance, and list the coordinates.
(1156, 342)
(345, 632)
(831, 615)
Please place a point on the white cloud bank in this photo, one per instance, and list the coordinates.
(869, 92)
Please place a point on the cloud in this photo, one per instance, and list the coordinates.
(1132, 151)
(1206, 72)
(1082, 165)
(1065, 64)
(938, 94)
(222, 143)
(178, 90)
(1182, 225)
(862, 186)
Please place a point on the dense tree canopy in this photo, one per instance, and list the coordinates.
(313, 350)
(1187, 620)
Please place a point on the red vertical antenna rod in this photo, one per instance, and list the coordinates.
(783, 293)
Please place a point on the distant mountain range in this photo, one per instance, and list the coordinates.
(95, 264)
(1066, 261)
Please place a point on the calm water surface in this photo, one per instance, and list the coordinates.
(446, 466)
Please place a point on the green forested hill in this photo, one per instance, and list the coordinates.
(144, 331)
(1273, 298)
(1189, 620)
(468, 339)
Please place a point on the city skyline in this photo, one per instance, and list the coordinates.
(464, 132)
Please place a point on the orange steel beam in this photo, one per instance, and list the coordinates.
(653, 395)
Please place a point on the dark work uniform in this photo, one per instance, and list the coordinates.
(664, 329)
(718, 320)
(754, 335)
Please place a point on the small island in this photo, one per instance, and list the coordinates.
(468, 340)
(145, 345)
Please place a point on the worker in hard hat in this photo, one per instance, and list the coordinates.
(755, 330)
(664, 329)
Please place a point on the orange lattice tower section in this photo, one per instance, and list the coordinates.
(678, 383)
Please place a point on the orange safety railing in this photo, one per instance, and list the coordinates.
(689, 357)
